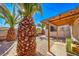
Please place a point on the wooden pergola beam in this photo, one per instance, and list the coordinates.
(64, 21)
(66, 15)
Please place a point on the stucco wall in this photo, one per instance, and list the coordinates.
(61, 32)
(3, 33)
(75, 29)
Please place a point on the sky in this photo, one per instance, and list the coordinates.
(48, 10)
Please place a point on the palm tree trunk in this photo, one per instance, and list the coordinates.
(26, 45)
(43, 32)
(11, 35)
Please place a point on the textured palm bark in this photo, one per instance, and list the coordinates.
(26, 38)
(11, 35)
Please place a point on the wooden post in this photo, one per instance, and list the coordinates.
(48, 37)
(57, 33)
(64, 34)
(49, 40)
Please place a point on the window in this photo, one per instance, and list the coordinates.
(53, 28)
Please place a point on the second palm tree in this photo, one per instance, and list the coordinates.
(11, 18)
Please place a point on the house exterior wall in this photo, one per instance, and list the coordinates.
(63, 31)
(75, 29)
(3, 33)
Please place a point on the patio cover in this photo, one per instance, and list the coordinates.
(65, 18)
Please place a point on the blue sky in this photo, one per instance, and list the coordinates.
(48, 10)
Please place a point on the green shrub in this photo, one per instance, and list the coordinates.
(69, 44)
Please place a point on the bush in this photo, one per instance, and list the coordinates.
(69, 44)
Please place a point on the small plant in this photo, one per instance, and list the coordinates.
(37, 31)
(69, 44)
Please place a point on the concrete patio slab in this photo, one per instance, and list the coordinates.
(4, 46)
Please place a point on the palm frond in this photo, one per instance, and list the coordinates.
(5, 11)
(40, 9)
(36, 7)
(42, 25)
(29, 8)
(2, 17)
(10, 18)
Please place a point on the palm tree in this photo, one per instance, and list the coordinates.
(10, 18)
(27, 31)
(42, 27)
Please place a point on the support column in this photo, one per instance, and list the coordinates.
(57, 33)
(49, 40)
(48, 37)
